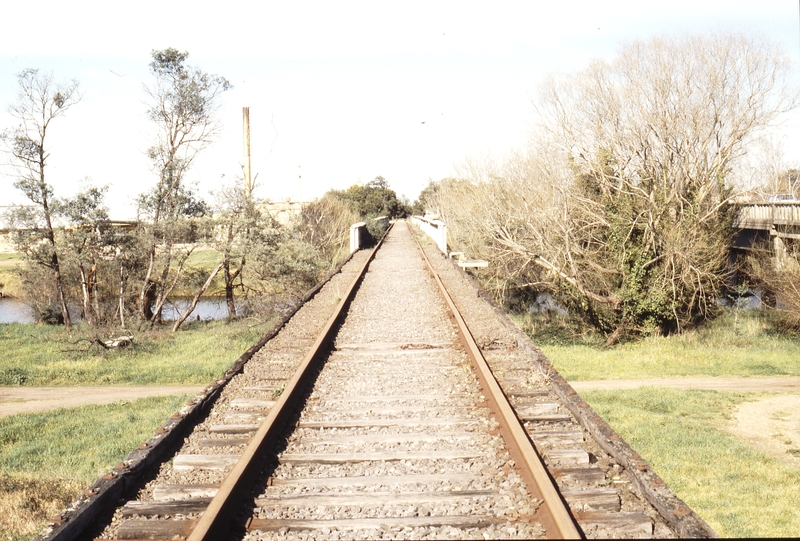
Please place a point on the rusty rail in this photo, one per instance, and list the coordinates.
(559, 524)
(216, 519)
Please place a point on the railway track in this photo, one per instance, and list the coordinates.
(393, 422)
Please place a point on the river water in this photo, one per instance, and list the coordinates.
(15, 311)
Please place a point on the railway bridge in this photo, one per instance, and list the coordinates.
(767, 226)
(397, 401)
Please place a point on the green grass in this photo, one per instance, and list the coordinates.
(741, 344)
(739, 491)
(46, 459)
(39, 355)
(205, 259)
(11, 256)
(197, 268)
(79, 443)
(9, 281)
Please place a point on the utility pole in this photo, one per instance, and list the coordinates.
(248, 182)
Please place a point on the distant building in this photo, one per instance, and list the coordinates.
(283, 211)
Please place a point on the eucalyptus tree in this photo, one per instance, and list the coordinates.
(183, 105)
(40, 100)
(240, 225)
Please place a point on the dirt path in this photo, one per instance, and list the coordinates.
(14, 400)
(770, 425)
(780, 384)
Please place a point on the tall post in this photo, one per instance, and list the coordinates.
(248, 182)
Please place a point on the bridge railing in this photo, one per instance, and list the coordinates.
(767, 215)
(435, 229)
(357, 235)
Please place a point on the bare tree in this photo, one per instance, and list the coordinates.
(183, 105)
(621, 202)
(325, 224)
(40, 100)
(240, 226)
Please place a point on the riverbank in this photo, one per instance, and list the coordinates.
(10, 286)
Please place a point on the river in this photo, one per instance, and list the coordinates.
(15, 311)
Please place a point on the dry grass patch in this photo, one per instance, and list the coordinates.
(47, 459)
(26, 503)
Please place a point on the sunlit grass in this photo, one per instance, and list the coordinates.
(737, 344)
(11, 256)
(738, 490)
(47, 459)
(42, 355)
(10, 284)
(206, 259)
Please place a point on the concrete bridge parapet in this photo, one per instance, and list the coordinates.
(435, 229)
(781, 219)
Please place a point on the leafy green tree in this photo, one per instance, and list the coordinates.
(87, 242)
(241, 227)
(183, 104)
(374, 198)
(421, 205)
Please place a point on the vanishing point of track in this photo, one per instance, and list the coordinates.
(373, 413)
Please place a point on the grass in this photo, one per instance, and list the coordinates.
(738, 490)
(204, 259)
(46, 459)
(741, 344)
(42, 355)
(11, 257)
(9, 282)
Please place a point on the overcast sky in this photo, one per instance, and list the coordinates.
(339, 92)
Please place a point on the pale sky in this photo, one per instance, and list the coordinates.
(339, 92)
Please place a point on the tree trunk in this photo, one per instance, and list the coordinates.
(164, 290)
(121, 296)
(226, 265)
(148, 287)
(62, 301)
(93, 293)
(87, 302)
(196, 298)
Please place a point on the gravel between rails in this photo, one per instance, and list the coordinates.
(396, 364)
(395, 440)
(262, 378)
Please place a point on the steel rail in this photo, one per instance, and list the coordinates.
(216, 519)
(559, 524)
